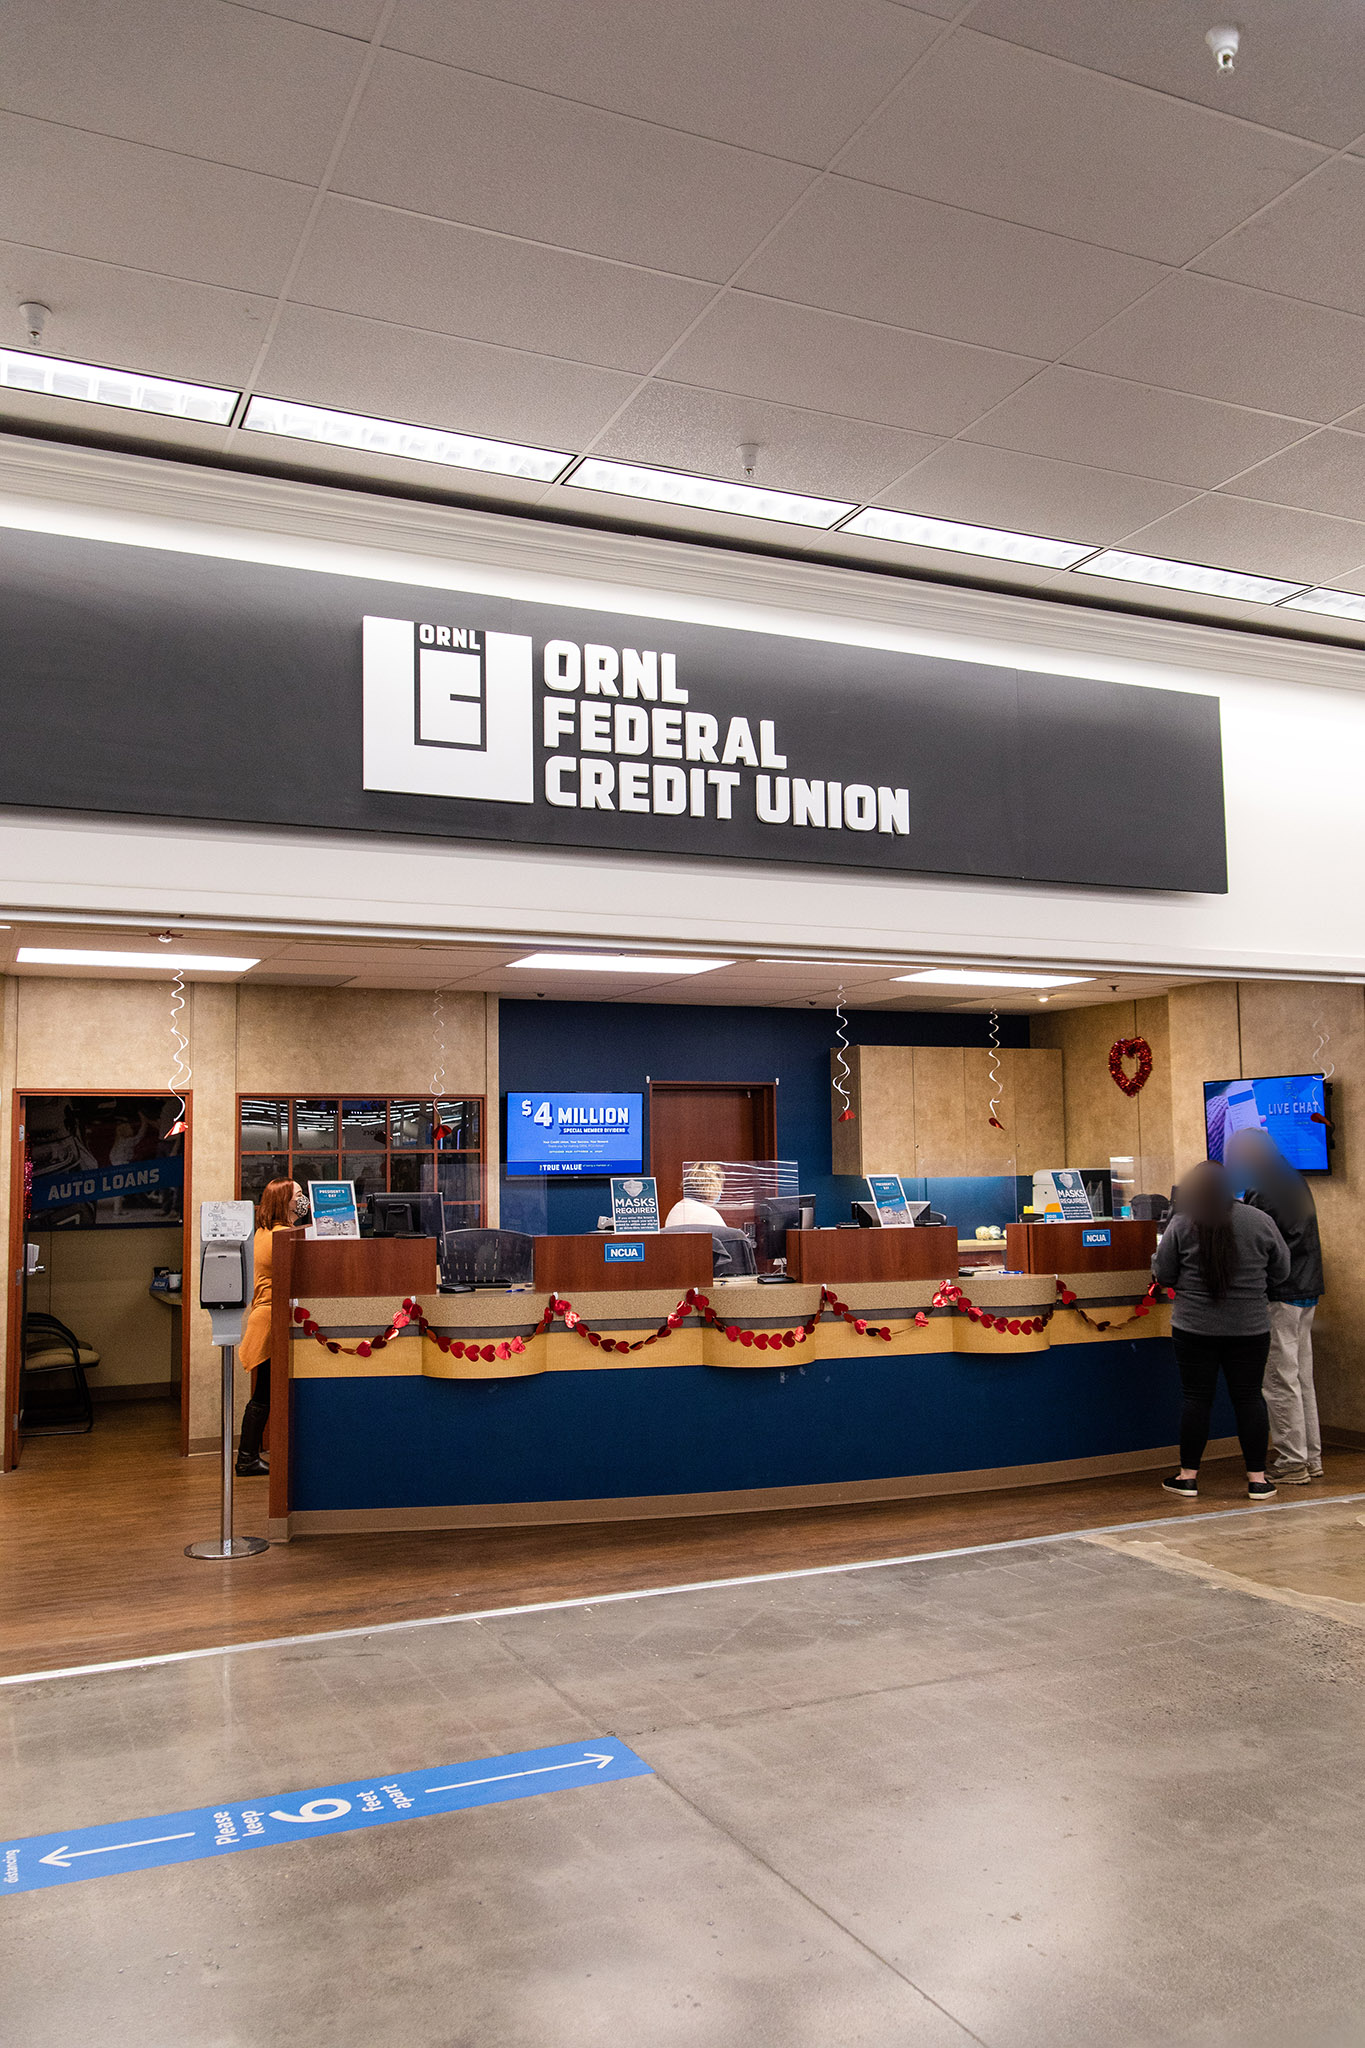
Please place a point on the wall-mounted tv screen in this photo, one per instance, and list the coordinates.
(549, 1132)
(1291, 1108)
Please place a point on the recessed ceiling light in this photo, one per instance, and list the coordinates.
(990, 977)
(620, 963)
(95, 384)
(164, 963)
(706, 493)
(397, 437)
(915, 531)
(1187, 576)
(1333, 604)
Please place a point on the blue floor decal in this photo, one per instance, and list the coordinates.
(73, 1854)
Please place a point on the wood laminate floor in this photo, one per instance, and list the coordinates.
(93, 1529)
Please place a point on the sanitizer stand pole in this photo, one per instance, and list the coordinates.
(228, 1545)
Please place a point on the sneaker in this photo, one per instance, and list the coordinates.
(1315, 1472)
(1260, 1489)
(1188, 1489)
(1293, 1475)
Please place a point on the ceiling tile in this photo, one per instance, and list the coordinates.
(1307, 245)
(1299, 69)
(913, 263)
(797, 355)
(1325, 473)
(131, 320)
(365, 366)
(121, 202)
(791, 77)
(371, 260)
(1216, 340)
(1266, 540)
(203, 76)
(1113, 425)
(1006, 132)
(1029, 494)
(701, 431)
(497, 156)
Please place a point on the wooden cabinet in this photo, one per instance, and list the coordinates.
(925, 1109)
(838, 1256)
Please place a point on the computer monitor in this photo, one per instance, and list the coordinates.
(406, 1215)
(807, 1203)
(774, 1216)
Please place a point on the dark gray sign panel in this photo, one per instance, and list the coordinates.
(143, 682)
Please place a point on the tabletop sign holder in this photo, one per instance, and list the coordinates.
(1061, 1197)
(634, 1204)
(226, 1278)
(890, 1201)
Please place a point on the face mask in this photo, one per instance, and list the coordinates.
(300, 1209)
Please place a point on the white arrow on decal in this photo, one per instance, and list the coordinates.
(593, 1757)
(62, 1858)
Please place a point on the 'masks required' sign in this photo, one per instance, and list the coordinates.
(140, 681)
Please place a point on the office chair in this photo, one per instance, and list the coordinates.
(487, 1258)
(49, 1347)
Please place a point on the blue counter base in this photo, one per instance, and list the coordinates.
(405, 1443)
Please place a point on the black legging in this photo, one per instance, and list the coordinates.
(1242, 1363)
(257, 1412)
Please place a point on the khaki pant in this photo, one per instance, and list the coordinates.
(1289, 1391)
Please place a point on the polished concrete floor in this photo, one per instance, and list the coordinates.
(1029, 1798)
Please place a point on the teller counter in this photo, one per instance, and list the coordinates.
(486, 1419)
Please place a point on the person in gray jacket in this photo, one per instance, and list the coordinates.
(1284, 1196)
(1221, 1258)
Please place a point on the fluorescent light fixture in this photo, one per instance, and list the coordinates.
(164, 963)
(1187, 576)
(990, 977)
(915, 531)
(54, 377)
(396, 437)
(706, 493)
(619, 963)
(1333, 604)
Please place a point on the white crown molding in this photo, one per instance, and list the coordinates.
(208, 503)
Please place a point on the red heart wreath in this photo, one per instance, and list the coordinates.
(1131, 1049)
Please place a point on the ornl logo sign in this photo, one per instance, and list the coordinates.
(448, 711)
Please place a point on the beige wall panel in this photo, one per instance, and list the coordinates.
(1039, 1122)
(213, 1177)
(1156, 1162)
(95, 1034)
(1205, 1046)
(940, 1110)
(314, 1041)
(846, 1140)
(96, 1282)
(1279, 1037)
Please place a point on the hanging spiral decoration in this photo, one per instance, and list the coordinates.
(847, 1115)
(182, 1073)
(438, 1035)
(993, 1119)
(1327, 1070)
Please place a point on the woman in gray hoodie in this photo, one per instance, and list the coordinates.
(1222, 1258)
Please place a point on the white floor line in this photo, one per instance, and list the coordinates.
(814, 1571)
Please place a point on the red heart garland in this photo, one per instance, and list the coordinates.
(1130, 1049)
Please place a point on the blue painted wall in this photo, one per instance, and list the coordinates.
(545, 1045)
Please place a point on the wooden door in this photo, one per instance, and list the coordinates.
(707, 1120)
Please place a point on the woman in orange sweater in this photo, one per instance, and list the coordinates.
(282, 1204)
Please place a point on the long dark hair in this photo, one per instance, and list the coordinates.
(1205, 1196)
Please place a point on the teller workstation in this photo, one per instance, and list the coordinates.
(717, 1352)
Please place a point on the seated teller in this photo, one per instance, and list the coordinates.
(703, 1186)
